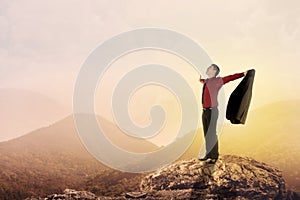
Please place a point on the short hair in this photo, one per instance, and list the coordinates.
(216, 68)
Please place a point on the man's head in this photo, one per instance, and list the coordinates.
(213, 70)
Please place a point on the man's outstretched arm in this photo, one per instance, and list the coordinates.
(233, 77)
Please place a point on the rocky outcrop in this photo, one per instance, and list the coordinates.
(231, 177)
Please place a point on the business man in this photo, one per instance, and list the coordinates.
(210, 114)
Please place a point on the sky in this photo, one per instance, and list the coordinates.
(44, 43)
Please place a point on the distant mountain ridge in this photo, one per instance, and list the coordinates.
(23, 111)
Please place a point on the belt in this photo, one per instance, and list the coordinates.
(209, 108)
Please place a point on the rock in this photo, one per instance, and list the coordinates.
(231, 177)
(136, 195)
(70, 194)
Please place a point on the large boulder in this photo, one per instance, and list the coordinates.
(231, 177)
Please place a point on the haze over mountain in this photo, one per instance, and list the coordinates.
(24, 110)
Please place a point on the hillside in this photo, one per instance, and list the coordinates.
(53, 158)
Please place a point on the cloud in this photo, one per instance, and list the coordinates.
(39, 40)
(56, 27)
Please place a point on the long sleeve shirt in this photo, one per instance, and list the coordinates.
(212, 86)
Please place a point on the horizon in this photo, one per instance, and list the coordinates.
(158, 144)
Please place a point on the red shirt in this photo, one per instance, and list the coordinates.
(212, 86)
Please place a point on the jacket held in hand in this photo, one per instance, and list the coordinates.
(239, 100)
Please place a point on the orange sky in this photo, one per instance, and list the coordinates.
(43, 44)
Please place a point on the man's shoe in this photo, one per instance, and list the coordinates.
(204, 158)
(211, 160)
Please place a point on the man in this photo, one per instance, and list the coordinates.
(210, 114)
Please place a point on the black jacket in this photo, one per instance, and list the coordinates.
(239, 100)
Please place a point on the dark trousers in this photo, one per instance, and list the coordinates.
(209, 120)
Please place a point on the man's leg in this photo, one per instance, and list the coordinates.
(211, 135)
(206, 115)
(205, 125)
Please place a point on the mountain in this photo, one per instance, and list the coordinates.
(125, 142)
(23, 111)
(270, 135)
(53, 158)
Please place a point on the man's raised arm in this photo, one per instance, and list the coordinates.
(233, 77)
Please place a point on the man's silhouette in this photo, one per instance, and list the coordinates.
(211, 87)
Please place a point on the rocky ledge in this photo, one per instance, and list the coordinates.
(231, 177)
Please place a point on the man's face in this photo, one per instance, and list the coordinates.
(210, 71)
